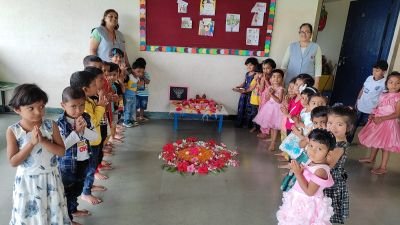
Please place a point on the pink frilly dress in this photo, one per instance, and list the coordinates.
(300, 209)
(270, 114)
(385, 135)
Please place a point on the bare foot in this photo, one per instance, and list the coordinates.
(284, 166)
(81, 213)
(98, 188)
(379, 171)
(271, 147)
(106, 163)
(106, 167)
(119, 136)
(116, 140)
(99, 176)
(91, 199)
(253, 129)
(108, 150)
(75, 223)
(365, 160)
(107, 153)
(262, 136)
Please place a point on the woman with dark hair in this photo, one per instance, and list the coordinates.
(106, 37)
(303, 56)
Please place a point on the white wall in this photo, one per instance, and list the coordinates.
(45, 41)
(330, 39)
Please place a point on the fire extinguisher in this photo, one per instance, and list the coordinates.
(322, 19)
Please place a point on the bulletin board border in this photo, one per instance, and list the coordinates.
(211, 51)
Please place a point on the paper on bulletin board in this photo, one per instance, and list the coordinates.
(182, 6)
(207, 7)
(186, 23)
(252, 36)
(259, 10)
(232, 22)
(206, 27)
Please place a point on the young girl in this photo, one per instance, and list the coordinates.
(340, 122)
(290, 96)
(242, 118)
(32, 146)
(255, 94)
(267, 66)
(294, 106)
(270, 115)
(383, 128)
(305, 203)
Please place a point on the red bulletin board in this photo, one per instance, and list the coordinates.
(160, 28)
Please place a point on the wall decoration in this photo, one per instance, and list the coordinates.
(232, 22)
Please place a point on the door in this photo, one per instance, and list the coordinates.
(367, 38)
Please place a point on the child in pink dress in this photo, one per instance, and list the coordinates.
(270, 115)
(267, 66)
(383, 128)
(305, 203)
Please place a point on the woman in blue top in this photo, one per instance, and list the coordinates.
(106, 37)
(303, 56)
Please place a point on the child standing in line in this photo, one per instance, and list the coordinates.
(32, 146)
(267, 66)
(76, 131)
(368, 96)
(86, 81)
(244, 109)
(92, 60)
(142, 98)
(255, 94)
(340, 122)
(305, 203)
(131, 83)
(294, 107)
(289, 96)
(270, 115)
(382, 131)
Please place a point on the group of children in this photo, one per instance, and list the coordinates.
(315, 137)
(59, 161)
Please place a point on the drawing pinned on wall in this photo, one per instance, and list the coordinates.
(182, 6)
(252, 36)
(259, 10)
(186, 23)
(206, 27)
(232, 22)
(207, 7)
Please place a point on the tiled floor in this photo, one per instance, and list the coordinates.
(140, 193)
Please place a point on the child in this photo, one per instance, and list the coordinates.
(290, 96)
(383, 128)
(340, 122)
(142, 97)
(255, 94)
(305, 203)
(368, 96)
(294, 106)
(32, 145)
(267, 66)
(75, 129)
(92, 60)
(87, 82)
(270, 116)
(244, 108)
(130, 95)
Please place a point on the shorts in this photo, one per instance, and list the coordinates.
(141, 102)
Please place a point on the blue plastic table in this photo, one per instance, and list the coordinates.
(219, 115)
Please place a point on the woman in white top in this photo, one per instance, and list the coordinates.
(303, 56)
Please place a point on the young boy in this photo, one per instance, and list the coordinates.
(130, 95)
(92, 60)
(368, 96)
(86, 81)
(76, 131)
(143, 90)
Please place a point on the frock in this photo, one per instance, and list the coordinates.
(300, 209)
(270, 115)
(385, 135)
(38, 192)
(339, 192)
